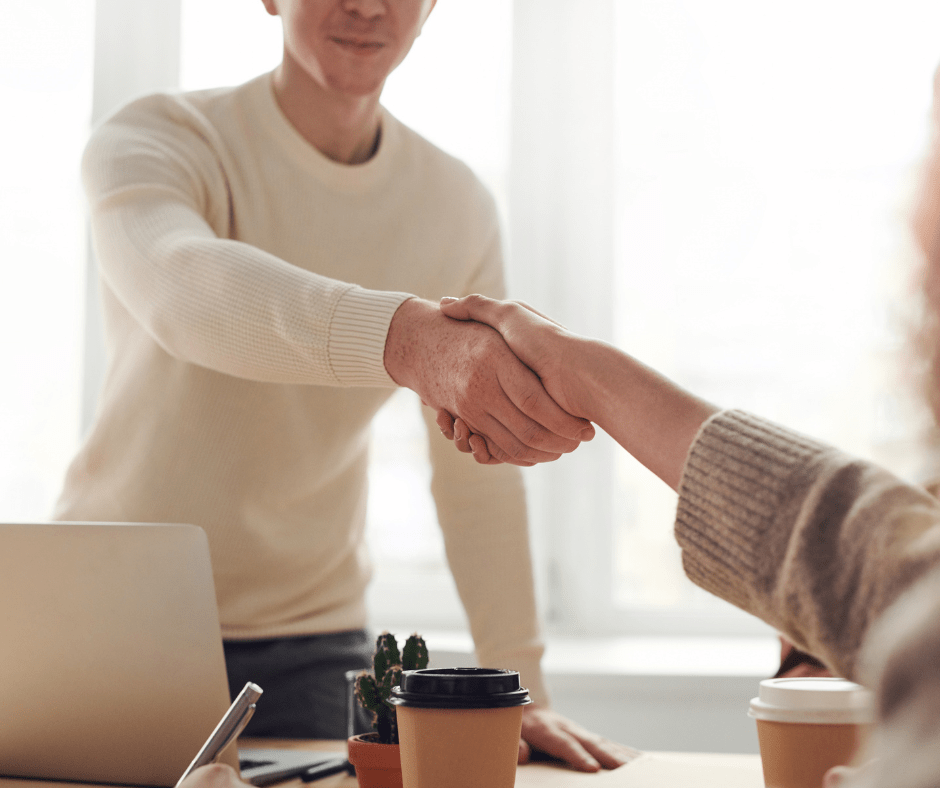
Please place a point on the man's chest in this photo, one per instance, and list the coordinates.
(378, 244)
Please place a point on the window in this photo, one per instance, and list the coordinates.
(764, 168)
(719, 188)
(45, 89)
(722, 190)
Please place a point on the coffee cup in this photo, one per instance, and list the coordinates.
(459, 727)
(805, 726)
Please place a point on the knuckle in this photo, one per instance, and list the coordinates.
(463, 404)
(531, 400)
(533, 435)
(504, 455)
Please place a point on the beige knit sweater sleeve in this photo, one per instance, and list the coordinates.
(838, 554)
(159, 191)
(815, 542)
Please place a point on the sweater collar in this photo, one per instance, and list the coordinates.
(348, 178)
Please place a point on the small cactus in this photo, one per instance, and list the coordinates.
(374, 689)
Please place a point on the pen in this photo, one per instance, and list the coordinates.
(233, 723)
(325, 770)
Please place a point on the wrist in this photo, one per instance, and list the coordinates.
(589, 386)
(404, 337)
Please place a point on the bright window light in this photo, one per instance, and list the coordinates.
(45, 90)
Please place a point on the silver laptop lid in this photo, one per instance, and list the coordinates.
(111, 661)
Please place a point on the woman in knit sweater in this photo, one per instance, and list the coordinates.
(833, 551)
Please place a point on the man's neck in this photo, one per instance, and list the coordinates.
(342, 127)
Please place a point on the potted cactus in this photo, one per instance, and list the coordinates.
(375, 755)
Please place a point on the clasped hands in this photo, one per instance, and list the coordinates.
(491, 371)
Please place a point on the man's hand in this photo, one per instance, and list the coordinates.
(215, 775)
(538, 341)
(551, 733)
(467, 369)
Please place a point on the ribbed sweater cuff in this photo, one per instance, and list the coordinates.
(357, 336)
(532, 679)
(739, 473)
(528, 663)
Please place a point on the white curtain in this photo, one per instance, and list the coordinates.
(561, 252)
(137, 51)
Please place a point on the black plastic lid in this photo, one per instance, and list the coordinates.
(460, 688)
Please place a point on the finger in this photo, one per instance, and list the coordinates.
(504, 444)
(559, 744)
(461, 436)
(475, 307)
(214, 775)
(521, 384)
(837, 776)
(514, 437)
(487, 452)
(540, 422)
(481, 452)
(486, 310)
(446, 424)
(551, 733)
(525, 751)
(608, 754)
(547, 731)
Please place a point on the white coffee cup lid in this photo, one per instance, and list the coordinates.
(813, 700)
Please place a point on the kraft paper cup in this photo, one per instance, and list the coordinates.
(805, 726)
(459, 727)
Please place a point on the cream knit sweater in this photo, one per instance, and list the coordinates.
(838, 554)
(248, 284)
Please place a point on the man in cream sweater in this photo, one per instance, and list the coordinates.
(271, 256)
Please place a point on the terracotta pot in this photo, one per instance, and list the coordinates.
(377, 765)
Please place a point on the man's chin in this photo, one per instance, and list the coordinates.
(359, 85)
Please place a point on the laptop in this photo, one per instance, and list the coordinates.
(111, 661)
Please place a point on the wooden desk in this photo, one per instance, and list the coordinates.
(655, 770)
(659, 770)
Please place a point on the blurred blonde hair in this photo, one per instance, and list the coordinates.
(926, 227)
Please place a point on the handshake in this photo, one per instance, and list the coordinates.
(494, 372)
(511, 385)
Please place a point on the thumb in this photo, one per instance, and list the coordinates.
(471, 307)
(836, 776)
(525, 751)
(455, 308)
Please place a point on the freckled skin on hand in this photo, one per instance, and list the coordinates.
(467, 369)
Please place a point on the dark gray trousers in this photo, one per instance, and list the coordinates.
(303, 679)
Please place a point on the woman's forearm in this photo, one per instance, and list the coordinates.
(651, 417)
